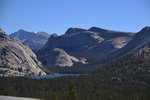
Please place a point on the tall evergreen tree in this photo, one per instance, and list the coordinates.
(71, 94)
(54, 97)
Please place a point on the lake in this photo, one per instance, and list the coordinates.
(54, 76)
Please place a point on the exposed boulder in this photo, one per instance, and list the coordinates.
(58, 57)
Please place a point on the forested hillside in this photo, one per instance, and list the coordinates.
(77, 88)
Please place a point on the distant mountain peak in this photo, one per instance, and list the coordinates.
(34, 40)
(74, 30)
(20, 30)
(97, 29)
(53, 35)
(35, 32)
(145, 32)
(146, 29)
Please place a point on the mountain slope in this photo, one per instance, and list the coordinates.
(133, 66)
(83, 43)
(139, 40)
(35, 40)
(110, 34)
(112, 45)
(86, 40)
(73, 39)
(16, 59)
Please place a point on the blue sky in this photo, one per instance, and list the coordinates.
(56, 16)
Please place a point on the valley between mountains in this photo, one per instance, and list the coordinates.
(116, 64)
(81, 51)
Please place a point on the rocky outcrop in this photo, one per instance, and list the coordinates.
(17, 59)
(35, 40)
(58, 57)
(112, 45)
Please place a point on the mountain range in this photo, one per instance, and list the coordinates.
(77, 49)
(82, 43)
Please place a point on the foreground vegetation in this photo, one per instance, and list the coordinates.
(73, 88)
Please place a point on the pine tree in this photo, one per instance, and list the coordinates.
(71, 94)
(54, 97)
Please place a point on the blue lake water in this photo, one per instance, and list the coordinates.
(54, 76)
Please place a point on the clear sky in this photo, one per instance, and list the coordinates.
(56, 16)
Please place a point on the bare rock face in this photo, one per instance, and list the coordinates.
(58, 57)
(17, 59)
(112, 45)
(139, 40)
(35, 40)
